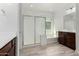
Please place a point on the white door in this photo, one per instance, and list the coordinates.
(40, 29)
(28, 30)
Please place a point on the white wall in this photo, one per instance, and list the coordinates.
(37, 13)
(8, 21)
(58, 20)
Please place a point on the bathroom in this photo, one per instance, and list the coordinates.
(39, 29)
(40, 25)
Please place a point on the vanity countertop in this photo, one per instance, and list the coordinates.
(68, 31)
(6, 37)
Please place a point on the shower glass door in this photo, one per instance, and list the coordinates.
(40, 30)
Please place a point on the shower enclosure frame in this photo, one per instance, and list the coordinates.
(34, 29)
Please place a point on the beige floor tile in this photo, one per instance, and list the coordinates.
(49, 50)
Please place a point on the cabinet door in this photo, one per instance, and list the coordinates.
(5, 49)
(61, 38)
(11, 52)
(70, 42)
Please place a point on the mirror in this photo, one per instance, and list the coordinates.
(69, 22)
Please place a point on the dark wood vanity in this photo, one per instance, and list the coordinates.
(67, 38)
(9, 49)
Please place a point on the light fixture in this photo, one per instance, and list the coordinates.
(31, 5)
(50, 9)
(2, 12)
(70, 10)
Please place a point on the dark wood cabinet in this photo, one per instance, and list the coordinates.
(67, 39)
(61, 39)
(9, 49)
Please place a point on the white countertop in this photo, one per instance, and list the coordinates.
(6, 37)
(69, 31)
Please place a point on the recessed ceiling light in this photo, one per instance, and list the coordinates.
(31, 5)
(50, 9)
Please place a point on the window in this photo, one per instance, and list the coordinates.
(48, 25)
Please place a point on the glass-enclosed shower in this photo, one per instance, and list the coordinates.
(36, 30)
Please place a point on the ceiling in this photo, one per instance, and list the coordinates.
(48, 7)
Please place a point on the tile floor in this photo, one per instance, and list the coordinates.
(55, 49)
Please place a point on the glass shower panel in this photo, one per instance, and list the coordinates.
(40, 30)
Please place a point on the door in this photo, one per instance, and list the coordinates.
(28, 30)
